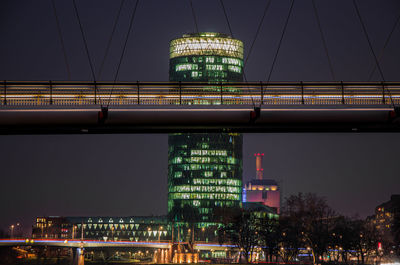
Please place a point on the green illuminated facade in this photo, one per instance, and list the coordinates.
(206, 57)
(204, 169)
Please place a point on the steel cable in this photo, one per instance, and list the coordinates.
(384, 46)
(123, 50)
(110, 40)
(61, 40)
(86, 47)
(194, 16)
(323, 40)
(280, 41)
(231, 32)
(372, 50)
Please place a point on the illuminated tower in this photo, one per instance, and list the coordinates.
(204, 169)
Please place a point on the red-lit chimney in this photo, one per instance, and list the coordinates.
(259, 169)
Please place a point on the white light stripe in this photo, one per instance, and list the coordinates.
(190, 110)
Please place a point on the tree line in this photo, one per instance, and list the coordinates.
(308, 226)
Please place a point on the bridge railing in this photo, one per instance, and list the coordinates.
(64, 93)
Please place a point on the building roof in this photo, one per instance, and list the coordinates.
(262, 182)
(116, 219)
(258, 207)
(207, 34)
(391, 206)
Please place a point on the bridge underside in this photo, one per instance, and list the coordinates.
(218, 118)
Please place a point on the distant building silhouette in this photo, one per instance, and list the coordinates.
(384, 216)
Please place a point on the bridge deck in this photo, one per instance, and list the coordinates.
(73, 107)
(74, 243)
(184, 93)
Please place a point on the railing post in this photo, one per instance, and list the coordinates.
(341, 83)
(180, 93)
(221, 94)
(95, 93)
(138, 93)
(51, 92)
(302, 92)
(262, 93)
(5, 92)
(383, 93)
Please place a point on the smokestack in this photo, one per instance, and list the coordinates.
(259, 169)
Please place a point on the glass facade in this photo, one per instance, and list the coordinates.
(204, 169)
(206, 57)
(204, 172)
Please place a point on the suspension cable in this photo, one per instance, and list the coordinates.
(231, 32)
(323, 40)
(110, 39)
(257, 32)
(384, 46)
(226, 17)
(61, 40)
(372, 50)
(86, 47)
(280, 41)
(194, 16)
(123, 50)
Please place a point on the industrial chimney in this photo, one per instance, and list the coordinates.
(259, 169)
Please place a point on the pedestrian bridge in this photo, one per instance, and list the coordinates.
(126, 107)
(77, 243)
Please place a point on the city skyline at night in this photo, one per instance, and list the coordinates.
(125, 175)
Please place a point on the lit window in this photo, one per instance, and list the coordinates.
(177, 160)
(235, 69)
(214, 67)
(208, 174)
(186, 67)
(210, 59)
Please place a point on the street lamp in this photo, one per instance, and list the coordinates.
(12, 230)
(159, 233)
(74, 227)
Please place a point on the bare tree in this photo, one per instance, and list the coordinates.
(242, 232)
(316, 219)
(269, 231)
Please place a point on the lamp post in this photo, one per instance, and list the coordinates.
(159, 233)
(73, 231)
(12, 230)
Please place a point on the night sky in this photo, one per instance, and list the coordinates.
(121, 175)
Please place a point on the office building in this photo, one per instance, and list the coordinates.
(204, 169)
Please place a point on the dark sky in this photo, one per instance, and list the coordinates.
(126, 174)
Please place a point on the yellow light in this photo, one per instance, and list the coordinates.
(206, 45)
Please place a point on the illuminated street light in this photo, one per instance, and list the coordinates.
(12, 231)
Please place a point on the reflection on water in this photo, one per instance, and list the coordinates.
(81, 260)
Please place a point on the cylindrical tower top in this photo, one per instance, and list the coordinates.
(206, 57)
(259, 168)
(206, 43)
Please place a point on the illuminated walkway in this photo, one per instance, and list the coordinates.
(74, 107)
(42, 93)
